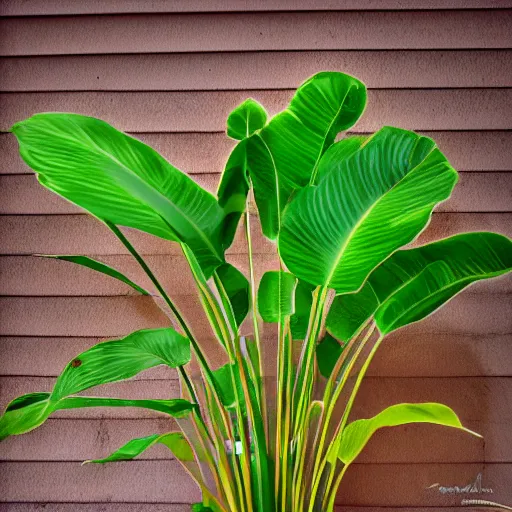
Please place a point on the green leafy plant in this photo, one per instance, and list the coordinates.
(266, 433)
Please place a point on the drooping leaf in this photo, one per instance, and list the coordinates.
(237, 289)
(358, 433)
(109, 361)
(28, 412)
(85, 261)
(283, 156)
(245, 119)
(413, 283)
(276, 295)
(232, 192)
(300, 319)
(234, 184)
(121, 180)
(328, 352)
(121, 359)
(363, 209)
(175, 441)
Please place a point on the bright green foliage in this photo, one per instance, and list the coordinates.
(27, 412)
(267, 431)
(276, 296)
(413, 283)
(175, 441)
(283, 156)
(358, 433)
(105, 362)
(300, 318)
(237, 289)
(367, 206)
(247, 118)
(99, 267)
(121, 180)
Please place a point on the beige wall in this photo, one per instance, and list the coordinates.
(170, 72)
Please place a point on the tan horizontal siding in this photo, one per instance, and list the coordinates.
(446, 109)
(426, 354)
(254, 70)
(165, 482)
(113, 316)
(475, 192)
(348, 30)
(53, 7)
(43, 234)
(198, 153)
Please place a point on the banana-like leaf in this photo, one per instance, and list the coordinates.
(109, 361)
(358, 433)
(413, 283)
(232, 192)
(276, 295)
(85, 261)
(245, 119)
(283, 156)
(121, 180)
(328, 352)
(28, 412)
(237, 289)
(365, 207)
(175, 441)
(234, 184)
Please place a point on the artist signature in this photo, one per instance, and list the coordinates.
(475, 487)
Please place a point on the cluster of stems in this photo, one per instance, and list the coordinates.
(243, 462)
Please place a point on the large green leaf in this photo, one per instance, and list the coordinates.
(413, 283)
(276, 295)
(283, 156)
(105, 362)
(85, 261)
(358, 433)
(121, 180)
(236, 287)
(245, 119)
(366, 206)
(175, 441)
(121, 359)
(28, 412)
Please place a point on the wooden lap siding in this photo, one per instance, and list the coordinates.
(169, 72)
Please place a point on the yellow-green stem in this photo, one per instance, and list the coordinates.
(319, 467)
(352, 398)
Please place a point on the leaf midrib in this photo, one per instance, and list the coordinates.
(368, 212)
(95, 148)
